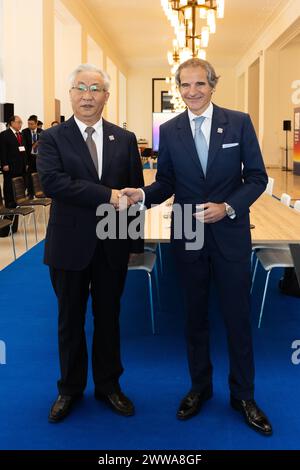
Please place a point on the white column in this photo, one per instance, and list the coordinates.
(94, 53)
(112, 110)
(122, 99)
(67, 54)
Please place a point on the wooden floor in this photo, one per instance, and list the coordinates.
(285, 182)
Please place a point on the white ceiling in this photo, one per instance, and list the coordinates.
(141, 33)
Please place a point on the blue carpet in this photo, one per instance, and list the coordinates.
(156, 375)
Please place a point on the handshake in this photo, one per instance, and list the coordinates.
(124, 198)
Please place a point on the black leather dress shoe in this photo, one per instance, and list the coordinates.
(253, 415)
(192, 403)
(118, 402)
(62, 407)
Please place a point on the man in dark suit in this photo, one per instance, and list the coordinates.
(209, 157)
(13, 157)
(31, 137)
(83, 163)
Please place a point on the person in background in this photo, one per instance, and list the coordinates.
(54, 123)
(40, 124)
(13, 157)
(13, 160)
(31, 137)
(209, 157)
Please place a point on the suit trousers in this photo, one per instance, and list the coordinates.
(72, 289)
(232, 280)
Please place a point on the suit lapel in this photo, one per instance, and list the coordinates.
(186, 137)
(109, 142)
(218, 130)
(74, 136)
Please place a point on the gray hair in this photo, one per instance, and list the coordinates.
(90, 68)
(212, 77)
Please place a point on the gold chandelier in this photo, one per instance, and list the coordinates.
(192, 36)
(186, 18)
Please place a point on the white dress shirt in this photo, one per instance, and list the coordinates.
(97, 136)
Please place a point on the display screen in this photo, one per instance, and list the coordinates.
(157, 120)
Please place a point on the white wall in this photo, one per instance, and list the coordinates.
(67, 54)
(275, 72)
(225, 92)
(122, 100)
(112, 108)
(94, 53)
(139, 113)
(241, 105)
(253, 94)
(22, 57)
(289, 71)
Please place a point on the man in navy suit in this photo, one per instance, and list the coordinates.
(83, 163)
(209, 157)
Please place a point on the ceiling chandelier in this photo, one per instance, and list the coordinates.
(192, 36)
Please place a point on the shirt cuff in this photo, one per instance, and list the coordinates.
(142, 202)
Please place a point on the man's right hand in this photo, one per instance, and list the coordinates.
(114, 198)
(134, 194)
(5, 168)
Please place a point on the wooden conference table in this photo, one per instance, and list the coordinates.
(273, 222)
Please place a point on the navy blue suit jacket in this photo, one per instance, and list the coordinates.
(235, 174)
(69, 177)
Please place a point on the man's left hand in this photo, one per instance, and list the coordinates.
(210, 212)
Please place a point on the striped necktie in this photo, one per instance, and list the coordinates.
(92, 146)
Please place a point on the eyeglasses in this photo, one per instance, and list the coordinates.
(82, 88)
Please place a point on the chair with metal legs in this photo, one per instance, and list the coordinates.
(39, 194)
(297, 206)
(270, 259)
(22, 200)
(23, 211)
(146, 262)
(270, 186)
(286, 200)
(9, 223)
(155, 248)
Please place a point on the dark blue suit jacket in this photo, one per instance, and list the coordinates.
(69, 177)
(235, 174)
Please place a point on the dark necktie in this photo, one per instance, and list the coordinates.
(92, 146)
(200, 142)
(19, 137)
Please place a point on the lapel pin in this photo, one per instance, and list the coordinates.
(220, 130)
(111, 137)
